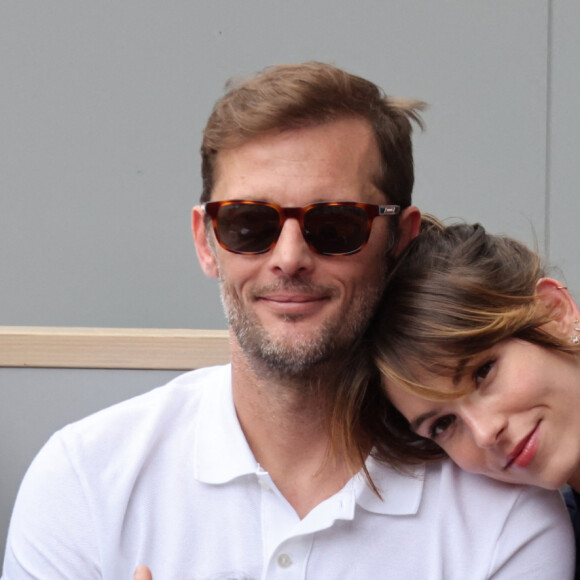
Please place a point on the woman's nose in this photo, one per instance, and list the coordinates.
(485, 425)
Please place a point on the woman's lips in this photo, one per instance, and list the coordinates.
(525, 450)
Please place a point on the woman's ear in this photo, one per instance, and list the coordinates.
(560, 303)
(205, 252)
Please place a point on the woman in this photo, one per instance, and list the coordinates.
(479, 356)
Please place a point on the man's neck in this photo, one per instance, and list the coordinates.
(286, 428)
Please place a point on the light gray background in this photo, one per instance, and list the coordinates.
(101, 111)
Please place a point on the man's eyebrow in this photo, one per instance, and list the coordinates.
(418, 421)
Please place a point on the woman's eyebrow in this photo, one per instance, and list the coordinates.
(460, 369)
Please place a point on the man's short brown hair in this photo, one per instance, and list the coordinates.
(293, 96)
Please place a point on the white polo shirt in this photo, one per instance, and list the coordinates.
(167, 479)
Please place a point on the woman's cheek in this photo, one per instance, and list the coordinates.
(466, 456)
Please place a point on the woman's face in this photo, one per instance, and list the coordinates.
(519, 424)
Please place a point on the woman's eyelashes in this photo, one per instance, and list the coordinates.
(440, 425)
(482, 371)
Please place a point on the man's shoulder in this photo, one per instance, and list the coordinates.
(479, 527)
(444, 491)
(476, 494)
(445, 474)
(187, 388)
(134, 423)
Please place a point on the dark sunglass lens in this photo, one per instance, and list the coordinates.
(248, 228)
(336, 229)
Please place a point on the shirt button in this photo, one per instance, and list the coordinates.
(284, 561)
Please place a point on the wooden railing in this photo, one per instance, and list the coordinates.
(113, 348)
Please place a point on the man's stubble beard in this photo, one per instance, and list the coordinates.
(300, 356)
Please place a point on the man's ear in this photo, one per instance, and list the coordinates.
(561, 305)
(205, 251)
(409, 227)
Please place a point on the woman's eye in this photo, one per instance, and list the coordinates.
(440, 425)
(482, 371)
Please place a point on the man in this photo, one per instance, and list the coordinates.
(230, 472)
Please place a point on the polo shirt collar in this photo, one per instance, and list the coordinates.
(222, 454)
(401, 495)
(400, 492)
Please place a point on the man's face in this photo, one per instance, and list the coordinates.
(291, 307)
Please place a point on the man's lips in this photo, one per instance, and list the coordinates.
(292, 301)
(291, 297)
(525, 450)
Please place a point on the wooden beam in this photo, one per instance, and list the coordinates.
(112, 348)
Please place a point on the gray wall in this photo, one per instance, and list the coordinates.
(101, 111)
(103, 106)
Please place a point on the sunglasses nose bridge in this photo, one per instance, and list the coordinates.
(296, 213)
(292, 213)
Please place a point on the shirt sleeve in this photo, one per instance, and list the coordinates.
(537, 539)
(51, 532)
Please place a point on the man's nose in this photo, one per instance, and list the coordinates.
(291, 254)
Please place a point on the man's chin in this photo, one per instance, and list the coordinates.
(297, 356)
(296, 348)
